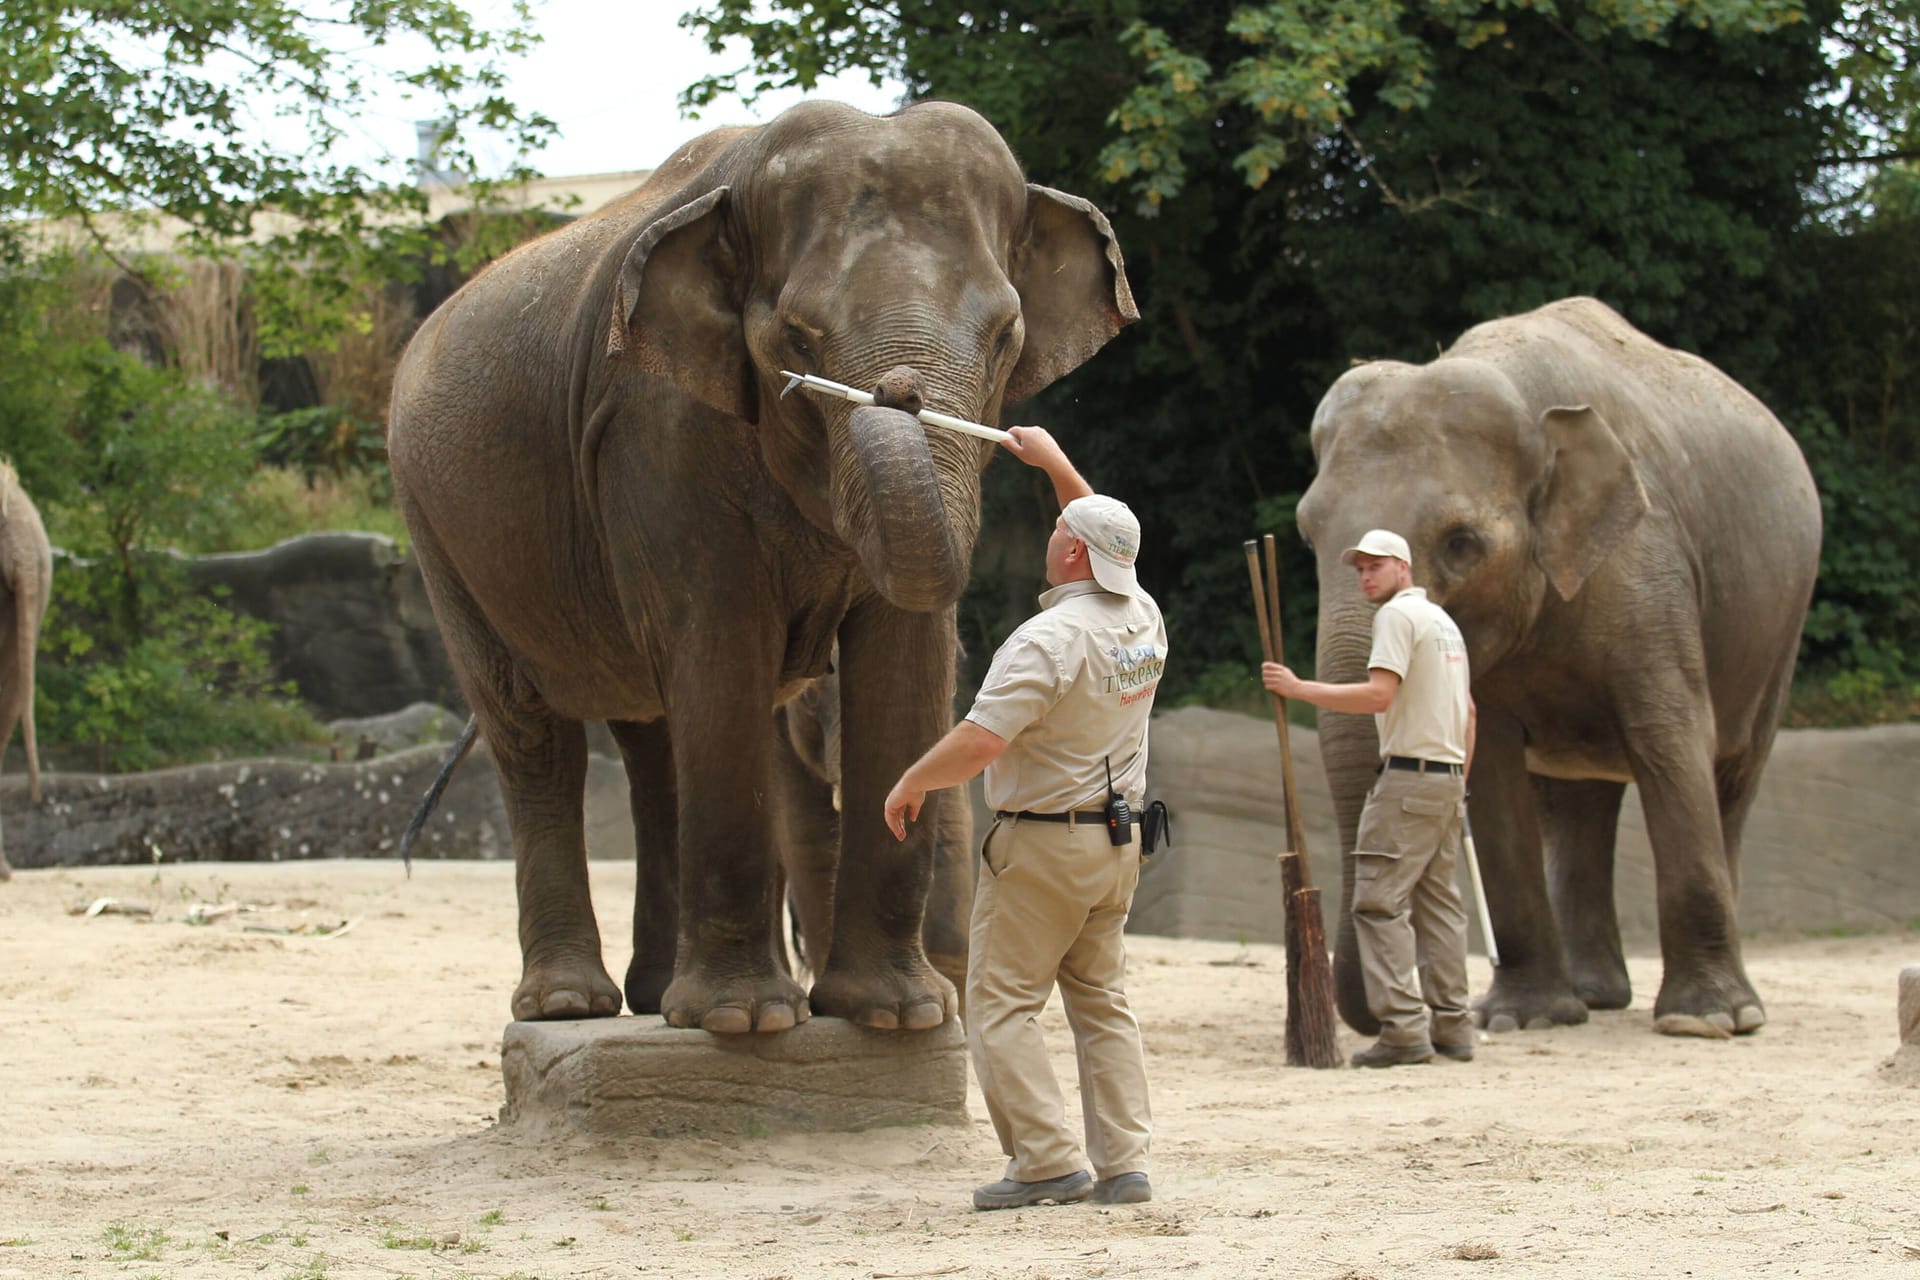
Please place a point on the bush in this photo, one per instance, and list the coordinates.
(192, 684)
(280, 503)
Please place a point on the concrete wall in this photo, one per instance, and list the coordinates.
(1833, 841)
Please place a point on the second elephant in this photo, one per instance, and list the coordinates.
(1628, 541)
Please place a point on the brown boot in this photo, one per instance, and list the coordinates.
(1382, 1054)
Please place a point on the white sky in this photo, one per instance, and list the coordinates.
(609, 72)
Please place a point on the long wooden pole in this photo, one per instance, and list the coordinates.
(1268, 648)
(1296, 836)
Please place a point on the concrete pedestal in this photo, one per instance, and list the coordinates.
(636, 1075)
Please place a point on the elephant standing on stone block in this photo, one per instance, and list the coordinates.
(26, 581)
(618, 517)
(1628, 542)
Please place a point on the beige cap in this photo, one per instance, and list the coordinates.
(1112, 534)
(1378, 542)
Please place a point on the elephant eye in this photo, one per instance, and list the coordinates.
(1463, 548)
(797, 341)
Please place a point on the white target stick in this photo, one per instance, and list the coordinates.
(1479, 890)
(828, 387)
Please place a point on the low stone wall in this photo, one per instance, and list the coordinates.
(1833, 841)
(279, 810)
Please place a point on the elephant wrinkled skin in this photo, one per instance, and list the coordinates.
(26, 581)
(1628, 541)
(618, 517)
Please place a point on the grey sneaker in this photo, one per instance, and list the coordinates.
(1008, 1194)
(1123, 1188)
(1382, 1054)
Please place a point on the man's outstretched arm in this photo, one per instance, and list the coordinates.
(1036, 447)
(965, 751)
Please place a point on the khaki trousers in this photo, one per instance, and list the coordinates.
(1050, 907)
(1407, 911)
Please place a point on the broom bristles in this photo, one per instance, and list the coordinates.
(1312, 1040)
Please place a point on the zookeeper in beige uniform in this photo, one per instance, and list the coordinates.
(1066, 700)
(1407, 912)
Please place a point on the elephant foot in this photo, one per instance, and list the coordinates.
(646, 984)
(954, 969)
(916, 999)
(1602, 987)
(1714, 1008)
(734, 1005)
(558, 989)
(1515, 1006)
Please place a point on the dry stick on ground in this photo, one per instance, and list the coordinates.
(1310, 1034)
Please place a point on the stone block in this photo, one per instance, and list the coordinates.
(636, 1075)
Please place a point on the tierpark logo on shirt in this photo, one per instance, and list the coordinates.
(1136, 669)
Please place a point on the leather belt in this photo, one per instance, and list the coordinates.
(1096, 816)
(1416, 765)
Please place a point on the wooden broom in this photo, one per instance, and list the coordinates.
(1311, 1038)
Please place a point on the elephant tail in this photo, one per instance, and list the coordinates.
(425, 811)
(30, 591)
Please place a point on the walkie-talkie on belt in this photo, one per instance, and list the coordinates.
(1119, 812)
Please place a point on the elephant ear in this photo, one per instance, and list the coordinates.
(674, 312)
(1594, 497)
(1073, 288)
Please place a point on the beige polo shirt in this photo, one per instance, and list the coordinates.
(1069, 690)
(1416, 640)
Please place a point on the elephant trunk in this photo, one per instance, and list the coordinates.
(910, 513)
(1350, 751)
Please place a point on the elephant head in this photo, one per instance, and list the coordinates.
(844, 245)
(1506, 513)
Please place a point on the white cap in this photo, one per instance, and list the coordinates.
(1112, 535)
(1378, 542)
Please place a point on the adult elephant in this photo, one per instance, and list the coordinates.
(26, 581)
(1628, 541)
(619, 517)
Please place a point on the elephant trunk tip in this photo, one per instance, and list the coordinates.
(899, 388)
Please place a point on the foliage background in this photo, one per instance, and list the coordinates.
(1296, 186)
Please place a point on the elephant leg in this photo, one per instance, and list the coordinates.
(647, 751)
(950, 899)
(1704, 989)
(541, 761)
(809, 835)
(1580, 820)
(896, 696)
(1530, 989)
(726, 976)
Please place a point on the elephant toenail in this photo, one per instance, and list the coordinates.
(1502, 1022)
(727, 1020)
(775, 1017)
(925, 1014)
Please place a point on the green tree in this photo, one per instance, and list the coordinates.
(112, 115)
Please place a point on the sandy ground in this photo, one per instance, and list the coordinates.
(249, 1096)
